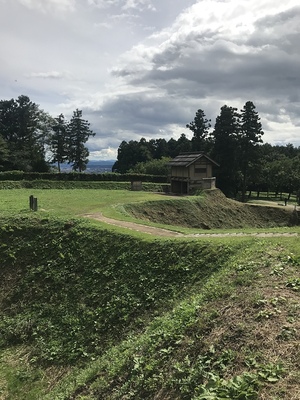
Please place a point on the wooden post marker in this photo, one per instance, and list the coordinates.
(33, 204)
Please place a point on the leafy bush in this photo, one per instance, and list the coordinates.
(109, 185)
(82, 177)
(153, 167)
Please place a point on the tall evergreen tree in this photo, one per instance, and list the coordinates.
(59, 141)
(183, 145)
(78, 134)
(225, 149)
(22, 127)
(172, 148)
(4, 154)
(158, 148)
(250, 137)
(131, 153)
(200, 127)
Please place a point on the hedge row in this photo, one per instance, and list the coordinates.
(83, 177)
(44, 184)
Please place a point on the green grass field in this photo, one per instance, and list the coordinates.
(70, 203)
(148, 208)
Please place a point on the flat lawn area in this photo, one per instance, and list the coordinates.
(71, 203)
(78, 202)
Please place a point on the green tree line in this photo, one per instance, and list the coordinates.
(235, 143)
(32, 140)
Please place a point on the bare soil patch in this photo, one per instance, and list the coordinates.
(133, 226)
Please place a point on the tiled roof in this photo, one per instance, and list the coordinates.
(186, 159)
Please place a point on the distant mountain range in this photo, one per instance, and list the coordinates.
(94, 166)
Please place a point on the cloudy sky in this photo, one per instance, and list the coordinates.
(142, 68)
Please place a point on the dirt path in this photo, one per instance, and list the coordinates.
(135, 227)
(151, 230)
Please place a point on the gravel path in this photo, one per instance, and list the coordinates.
(151, 230)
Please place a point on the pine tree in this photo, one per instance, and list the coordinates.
(22, 128)
(59, 142)
(249, 138)
(4, 153)
(78, 132)
(225, 149)
(200, 127)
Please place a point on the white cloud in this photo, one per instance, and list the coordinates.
(103, 3)
(49, 75)
(49, 5)
(143, 67)
(215, 51)
(104, 154)
(139, 4)
(106, 25)
(124, 4)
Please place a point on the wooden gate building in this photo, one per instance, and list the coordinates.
(192, 171)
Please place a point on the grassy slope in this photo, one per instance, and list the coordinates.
(212, 210)
(88, 313)
(145, 319)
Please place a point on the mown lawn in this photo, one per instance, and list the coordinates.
(70, 203)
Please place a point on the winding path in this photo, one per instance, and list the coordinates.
(151, 230)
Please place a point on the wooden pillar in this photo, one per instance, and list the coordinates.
(33, 203)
